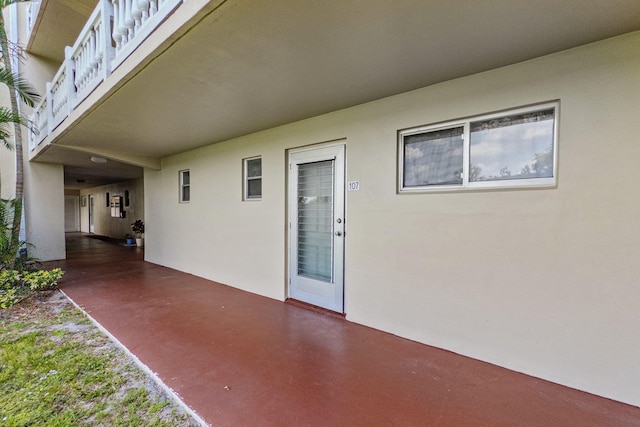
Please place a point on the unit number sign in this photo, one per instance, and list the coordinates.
(353, 186)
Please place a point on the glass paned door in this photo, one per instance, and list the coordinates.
(316, 239)
(315, 220)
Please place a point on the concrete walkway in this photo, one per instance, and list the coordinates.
(238, 359)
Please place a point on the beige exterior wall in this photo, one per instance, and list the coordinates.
(104, 223)
(7, 157)
(43, 183)
(38, 71)
(542, 281)
(44, 210)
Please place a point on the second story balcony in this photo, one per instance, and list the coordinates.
(145, 79)
(113, 31)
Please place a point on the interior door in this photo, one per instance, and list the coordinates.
(316, 223)
(71, 213)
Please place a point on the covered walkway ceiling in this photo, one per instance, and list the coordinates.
(248, 66)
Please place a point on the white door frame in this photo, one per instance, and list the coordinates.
(326, 294)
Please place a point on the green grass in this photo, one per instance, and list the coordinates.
(57, 369)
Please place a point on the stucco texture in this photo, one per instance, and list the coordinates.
(541, 281)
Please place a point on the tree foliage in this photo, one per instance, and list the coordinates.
(23, 88)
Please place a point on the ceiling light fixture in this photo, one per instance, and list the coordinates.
(96, 159)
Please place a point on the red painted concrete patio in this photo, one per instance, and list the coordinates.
(239, 359)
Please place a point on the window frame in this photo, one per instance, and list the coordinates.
(182, 186)
(246, 178)
(466, 124)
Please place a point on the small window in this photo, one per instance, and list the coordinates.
(511, 149)
(185, 187)
(253, 178)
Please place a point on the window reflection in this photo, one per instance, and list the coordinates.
(513, 147)
(433, 158)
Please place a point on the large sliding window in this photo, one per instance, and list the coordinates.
(511, 149)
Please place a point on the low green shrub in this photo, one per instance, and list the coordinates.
(9, 279)
(41, 280)
(8, 297)
(16, 285)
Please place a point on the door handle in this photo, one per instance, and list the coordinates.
(338, 233)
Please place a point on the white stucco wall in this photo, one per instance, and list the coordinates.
(44, 210)
(542, 281)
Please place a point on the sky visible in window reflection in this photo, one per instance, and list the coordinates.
(518, 151)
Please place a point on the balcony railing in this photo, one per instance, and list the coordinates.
(32, 12)
(41, 121)
(114, 30)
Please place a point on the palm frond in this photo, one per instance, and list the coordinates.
(27, 93)
(6, 236)
(8, 116)
(5, 136)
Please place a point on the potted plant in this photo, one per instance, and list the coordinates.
(128, 239)
(138, 228)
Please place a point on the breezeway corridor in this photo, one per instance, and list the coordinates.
(237, 358)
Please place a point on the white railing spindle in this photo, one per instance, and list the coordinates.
(117, 37)
(136, 14)
(144, 8)
(134, 20)
(32, 14)
(122, 28)
(40, 121)
(129, 22)
(63, 90)
(92, 52)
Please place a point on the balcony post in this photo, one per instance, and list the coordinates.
(49, 109)
(105, 37)
(70, 80)
(33, 138)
